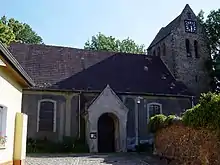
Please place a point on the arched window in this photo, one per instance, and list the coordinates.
(158, 51)
(46, 115)
(153, 109)
(164, 49)
(196, 49)
(187, 42)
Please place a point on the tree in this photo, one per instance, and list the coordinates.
(109, 43)
(6, 34)
(22, 31)
(212, 28)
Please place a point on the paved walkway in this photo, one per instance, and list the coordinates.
(88, 159)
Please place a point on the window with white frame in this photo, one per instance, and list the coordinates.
(46, 120)
(153, 109)
(3, 120)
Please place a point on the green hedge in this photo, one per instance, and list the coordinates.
(205, 114)
(156, 122)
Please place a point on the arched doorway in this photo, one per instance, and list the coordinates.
(106, 133)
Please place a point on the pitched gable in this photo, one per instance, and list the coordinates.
(165, 31)
(108, 98)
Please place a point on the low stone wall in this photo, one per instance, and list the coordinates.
(188, 146)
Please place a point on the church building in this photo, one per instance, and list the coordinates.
(107, 98)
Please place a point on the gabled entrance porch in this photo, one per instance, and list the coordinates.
(106, 123)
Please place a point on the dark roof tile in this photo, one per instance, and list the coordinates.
(65, 68)
(47, 65)
(126, 73)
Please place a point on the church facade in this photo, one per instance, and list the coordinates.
(107, 98)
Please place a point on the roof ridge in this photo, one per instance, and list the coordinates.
(80, 49)
(49, 45)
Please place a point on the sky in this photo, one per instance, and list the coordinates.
(72, 22)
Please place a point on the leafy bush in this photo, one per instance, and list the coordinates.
(156, 122)
(169, 120)
(206, 114)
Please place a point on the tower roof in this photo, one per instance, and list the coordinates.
(165, 31)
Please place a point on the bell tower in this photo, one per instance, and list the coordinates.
(184, 50)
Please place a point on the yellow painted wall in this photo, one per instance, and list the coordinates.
(20, 137)
(11, 97)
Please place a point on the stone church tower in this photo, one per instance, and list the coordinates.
(183, 48)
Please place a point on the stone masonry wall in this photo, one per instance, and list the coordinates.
(190, 70)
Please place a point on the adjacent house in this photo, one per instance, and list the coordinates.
(107, 98)
(13, 79)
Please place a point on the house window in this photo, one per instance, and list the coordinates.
(196, 49)
(164, 49)
(153, 109)
(46, 115)
(187, 42)
(3, 120)
(158, 51)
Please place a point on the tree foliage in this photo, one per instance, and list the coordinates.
(212, 28)
(13, 30)
(6, 34)
(205, 114)
(109, 43)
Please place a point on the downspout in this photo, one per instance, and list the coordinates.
(138, 101)
(136, 124)
(79, 112)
